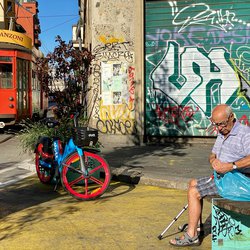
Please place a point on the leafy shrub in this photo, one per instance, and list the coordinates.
(32, 130)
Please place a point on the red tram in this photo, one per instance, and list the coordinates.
(20, 93)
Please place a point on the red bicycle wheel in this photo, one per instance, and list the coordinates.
(85, 188)
(44, 174)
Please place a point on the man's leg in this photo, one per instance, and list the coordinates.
(194, 210)
(196, 191)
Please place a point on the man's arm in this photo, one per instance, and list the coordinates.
(223, 167)
(212, 157)
(244, 162)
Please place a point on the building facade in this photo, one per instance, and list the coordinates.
(161, 66)
(27, 16)
(26, 12)
(113, 32)
(7, 10)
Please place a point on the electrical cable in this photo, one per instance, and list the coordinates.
(60, 24)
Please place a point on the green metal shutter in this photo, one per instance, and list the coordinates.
(197, 56)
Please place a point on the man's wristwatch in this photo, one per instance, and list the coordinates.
(234, 166)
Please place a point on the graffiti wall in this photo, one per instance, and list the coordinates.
(230, 230)
(113, 69)
(197, 56)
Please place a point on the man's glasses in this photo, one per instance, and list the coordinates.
(221, 124)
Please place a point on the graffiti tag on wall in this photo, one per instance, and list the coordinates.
(224, 226)
(114, 51)
(114, 75)
(223, 19)
(193, 73)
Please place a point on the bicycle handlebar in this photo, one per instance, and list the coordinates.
(73, 113)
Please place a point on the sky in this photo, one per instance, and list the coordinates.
(56, 18)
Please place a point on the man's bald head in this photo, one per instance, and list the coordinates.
(223, 118)
(221, 111)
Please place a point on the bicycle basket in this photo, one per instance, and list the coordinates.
(85, 136)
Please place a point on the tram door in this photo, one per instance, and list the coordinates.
(23, 87)
(7, 93)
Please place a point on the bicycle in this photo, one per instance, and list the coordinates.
(83, 173)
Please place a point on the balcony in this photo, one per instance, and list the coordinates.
(37, 43)
(37, 28)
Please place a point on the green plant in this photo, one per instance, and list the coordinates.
(32, 130)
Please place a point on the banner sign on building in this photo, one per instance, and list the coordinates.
(9, 36)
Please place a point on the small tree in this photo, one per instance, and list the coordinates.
(69, 66)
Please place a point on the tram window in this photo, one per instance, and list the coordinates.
(6, 76)
(5, 59)
(9, 6)
(33, 79)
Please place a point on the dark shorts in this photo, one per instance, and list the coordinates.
(206, 187)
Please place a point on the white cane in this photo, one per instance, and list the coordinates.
(181, 212)
(173, 221)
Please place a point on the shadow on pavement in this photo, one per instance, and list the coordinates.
(26, 193)
(8, 164)
(129, 163)
(120, 155)
(203, 235)
(30, 192)
(39, 202)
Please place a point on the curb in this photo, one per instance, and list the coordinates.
(6, 138)
(125, 174)
(180, 184)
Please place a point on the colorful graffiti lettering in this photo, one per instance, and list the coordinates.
(131, 77)
(197, 36)
(244, 89)
(175, 114)
(196, 56)
(244, 120)
(119, 111)
(194, 73)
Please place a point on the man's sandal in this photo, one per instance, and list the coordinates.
(186, 241)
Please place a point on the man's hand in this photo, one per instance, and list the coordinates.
(221, 167)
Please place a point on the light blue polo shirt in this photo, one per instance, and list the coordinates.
(235, 147)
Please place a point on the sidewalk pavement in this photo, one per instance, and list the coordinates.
(169, 165)
(32, 214)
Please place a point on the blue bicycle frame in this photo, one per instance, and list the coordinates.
(69, 148)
